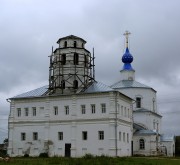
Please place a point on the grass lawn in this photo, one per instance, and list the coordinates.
(94, 161)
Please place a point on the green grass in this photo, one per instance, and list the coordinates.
(94, 161)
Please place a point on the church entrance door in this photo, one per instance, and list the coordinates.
(67, 150)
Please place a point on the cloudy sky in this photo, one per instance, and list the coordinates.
(29, 28)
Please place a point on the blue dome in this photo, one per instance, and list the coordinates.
(127, 58)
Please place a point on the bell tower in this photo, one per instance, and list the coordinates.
(71, 67)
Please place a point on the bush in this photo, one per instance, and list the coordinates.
(26, 155)
(43, 155)
(3, 153)
(88, 156)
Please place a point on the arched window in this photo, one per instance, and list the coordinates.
(75, 84)
(76, 59)
(75, 44)
(82, 45)
(63, 84)
(65, 44)
(141, 144)
(63, 59)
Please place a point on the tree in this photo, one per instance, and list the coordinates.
(5, 141)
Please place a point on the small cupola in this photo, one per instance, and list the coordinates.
(127, 59)
(127, 72)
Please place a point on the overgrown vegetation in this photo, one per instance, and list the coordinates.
(92, 160)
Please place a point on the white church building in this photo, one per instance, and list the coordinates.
(76, 115)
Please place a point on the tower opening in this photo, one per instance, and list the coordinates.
(75, 84)
(76, 59)
(63, 84)
(65, 44)
(75, 44)
(85, 61)
(63, 59)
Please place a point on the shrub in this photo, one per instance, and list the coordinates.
(26, 155)
(88, 156)
(43, 155)
(3, 153)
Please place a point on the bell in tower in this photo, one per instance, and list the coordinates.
(71, 66)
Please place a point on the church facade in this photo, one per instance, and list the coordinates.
(76, 115)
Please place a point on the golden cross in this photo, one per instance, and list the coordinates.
(126, 34)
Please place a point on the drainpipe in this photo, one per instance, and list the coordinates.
(132, 120)
(9, 101)
(116, 124)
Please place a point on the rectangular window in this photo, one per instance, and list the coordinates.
(103, 108)
(34, 111)
(60, 135)
(128, 113)
(125, 112)
(122, 111)
(83, 109)
(119, 136)
(55, 110)
(84, 135)
(118, 109)
(138, 102)
(124, 137)
(154, 124)
(153, 105)
(158, 127)
(101, 135)
(93, 109)
(35, 136)
(26, 111)
(66, 110)
(141, 144)
(23, 136)
(18, 112)
(127, 137)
